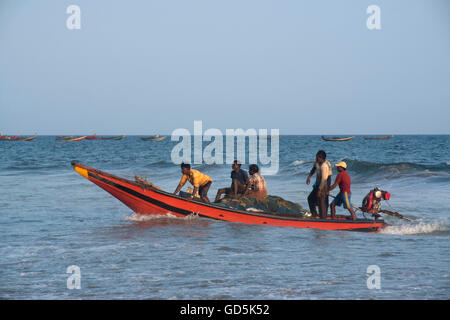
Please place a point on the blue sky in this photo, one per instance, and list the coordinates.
(304, 67)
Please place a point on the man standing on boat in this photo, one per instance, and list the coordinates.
(343, 198)
(200, 181)
(256, 184)
(319, 194)
(239, 181)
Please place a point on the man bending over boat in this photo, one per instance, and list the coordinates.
(256, 183)
(200, 181)
(343, 198)
(239, 181)
(319, 194)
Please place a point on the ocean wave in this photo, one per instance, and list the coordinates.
(34, 167)
(160, 163)
(431, 228)
(297, 163)
(396, 169)
(364, 170)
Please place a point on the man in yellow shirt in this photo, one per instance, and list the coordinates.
(200, 181)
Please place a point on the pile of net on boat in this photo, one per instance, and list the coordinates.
(272, 204)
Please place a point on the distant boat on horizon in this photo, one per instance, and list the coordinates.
(378, 138)
(154, 138)
(95, 137)
(27, 139)
(17, 138)
(337, 138)
(72, 139)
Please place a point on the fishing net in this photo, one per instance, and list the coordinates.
(273, 204)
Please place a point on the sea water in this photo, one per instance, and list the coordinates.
(51, 218)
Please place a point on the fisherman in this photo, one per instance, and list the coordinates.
(318, 196)
(256, 186)
(239, 181)
(200, 181)
(344, 195)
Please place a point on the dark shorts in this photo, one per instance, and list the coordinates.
(203, 190)
(343, 199)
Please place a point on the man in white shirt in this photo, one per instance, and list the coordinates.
(318, 196)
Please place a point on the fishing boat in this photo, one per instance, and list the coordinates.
(337, 138)
(146, 198)
(27, 139)
(95, 137)
(114, 138)
(153, 138)
(377, 138)
(73, 139)
(8, 138)
(63, 137)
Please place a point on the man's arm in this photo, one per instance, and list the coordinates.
(323, 180)
(338, 180)
(181, 184)
(308, 180)
(194, 192)
(245, 177)
(178, 189)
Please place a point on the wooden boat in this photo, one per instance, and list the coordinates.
(153, 138)
(72, 139)
(94, 137)
(377, 138)
(8, 138)
(337, 138)
(27, 139)
(114, 138)
(145, 198)
(63, 137)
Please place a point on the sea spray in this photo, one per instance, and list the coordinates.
(416, 228)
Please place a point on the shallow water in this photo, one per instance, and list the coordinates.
(52, 218)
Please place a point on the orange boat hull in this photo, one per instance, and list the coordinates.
(144, 199)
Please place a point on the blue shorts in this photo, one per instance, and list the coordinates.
(343, 199)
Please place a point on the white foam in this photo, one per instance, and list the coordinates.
(148, 217)
(299, 162)
(418, 228)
